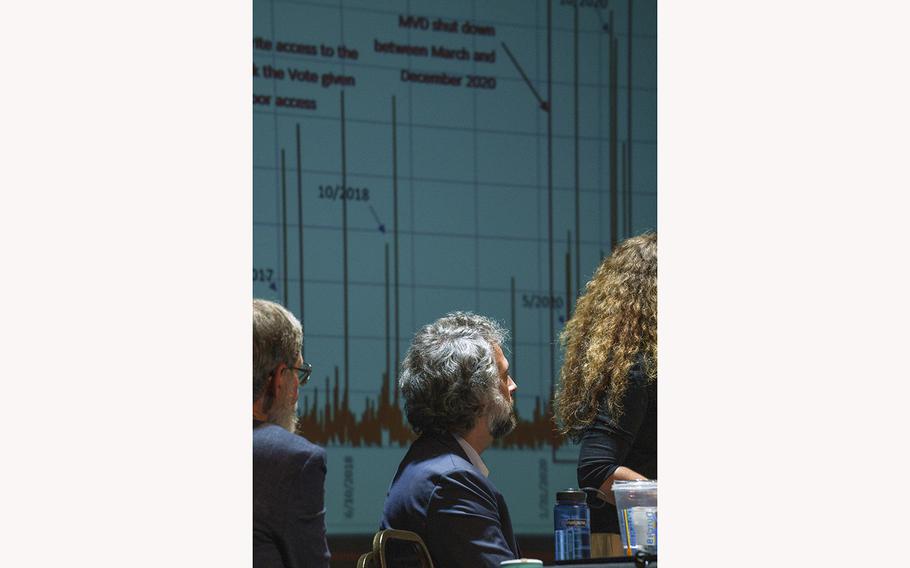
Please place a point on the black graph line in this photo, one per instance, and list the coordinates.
(388, 350)
(568, 276)
(284, 231)
(395, 238)
(274, 93)
(577, 171)
(545, 106)
(300, 220)
(600, 137)
(629, 196)
(626, 196)
(475, 191)
(628, 159)
(344, 232)
(614, 233)
(550, 193)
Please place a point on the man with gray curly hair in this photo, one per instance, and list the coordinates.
(288, 470)
(458, 398)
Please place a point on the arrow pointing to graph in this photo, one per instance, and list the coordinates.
(378, 222)
(603, 25)
(543, 105)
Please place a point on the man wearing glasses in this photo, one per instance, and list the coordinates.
(288, 470)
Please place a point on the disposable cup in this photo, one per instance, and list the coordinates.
(636, 507)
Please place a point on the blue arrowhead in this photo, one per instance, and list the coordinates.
(381, 228)
(273, 286)
(562, 319)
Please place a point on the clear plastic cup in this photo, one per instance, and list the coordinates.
(636, 507)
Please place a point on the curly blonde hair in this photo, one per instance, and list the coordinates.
(615, 323)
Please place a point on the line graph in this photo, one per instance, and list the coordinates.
(400, 189)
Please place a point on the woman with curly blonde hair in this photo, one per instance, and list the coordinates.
(607, 398)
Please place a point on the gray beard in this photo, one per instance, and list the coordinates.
(501, 426)
(284, 416)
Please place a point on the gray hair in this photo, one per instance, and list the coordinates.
(277, 338)
(449, 374)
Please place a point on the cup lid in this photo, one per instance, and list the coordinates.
(635, 485)
(571, 494)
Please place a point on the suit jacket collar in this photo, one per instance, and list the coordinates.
(436, 443)
(473, 456)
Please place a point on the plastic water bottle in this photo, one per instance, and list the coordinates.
(572, 525)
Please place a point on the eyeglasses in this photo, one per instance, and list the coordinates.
(303, 373)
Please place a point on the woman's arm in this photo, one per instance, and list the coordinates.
(621, 473)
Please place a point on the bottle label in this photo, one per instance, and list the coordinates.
(572, 533)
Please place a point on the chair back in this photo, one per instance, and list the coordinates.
(394, 548)
(367, 560)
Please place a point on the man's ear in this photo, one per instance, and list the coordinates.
(275, 387)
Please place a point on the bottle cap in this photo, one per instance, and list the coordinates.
(571, 494)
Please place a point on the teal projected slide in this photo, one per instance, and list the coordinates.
(412, 158)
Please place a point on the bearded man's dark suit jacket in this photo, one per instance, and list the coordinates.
(460, 515)
(288, 500)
